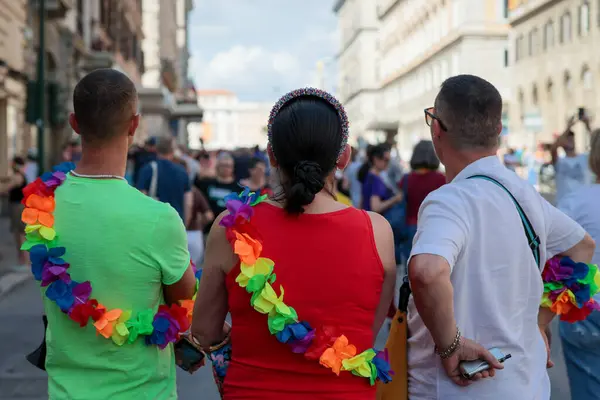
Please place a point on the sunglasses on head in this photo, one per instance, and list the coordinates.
(430, 116)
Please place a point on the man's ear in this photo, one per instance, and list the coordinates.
(73, 123)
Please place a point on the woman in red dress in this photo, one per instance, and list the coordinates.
(336, 263)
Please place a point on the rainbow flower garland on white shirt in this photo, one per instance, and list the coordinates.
(257, 277)
(74, 298)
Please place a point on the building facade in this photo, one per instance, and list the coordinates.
(229, 123)
(80, 36)
(14, 132)
(356, 60)
(422, 43)
(165, 106)
(555, 67)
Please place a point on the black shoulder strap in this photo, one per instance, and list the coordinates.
(532, 238)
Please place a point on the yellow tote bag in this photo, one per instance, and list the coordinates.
(396, 345)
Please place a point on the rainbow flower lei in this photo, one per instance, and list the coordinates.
(257, 277)
(569, 288)
(74, 298)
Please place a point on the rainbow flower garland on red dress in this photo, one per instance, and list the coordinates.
(569, 288)
(74, 298)
(332, 349)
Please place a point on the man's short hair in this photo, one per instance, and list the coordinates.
(165, 146)
(471, 109)
(104, 102)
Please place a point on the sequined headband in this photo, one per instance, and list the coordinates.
(311, 92)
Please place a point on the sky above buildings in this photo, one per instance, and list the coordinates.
(260, 49)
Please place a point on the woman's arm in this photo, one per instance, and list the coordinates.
(380, 206)
(384, 240)
(210, 308)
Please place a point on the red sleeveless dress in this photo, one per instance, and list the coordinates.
(332, 275)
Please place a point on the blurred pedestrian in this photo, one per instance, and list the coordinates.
(511, 160)
(192, 166)
(32, 169)
(206, 168)
(144, 156)
(167, 181)
(351, 176)
(242, 159)
(257, 182)
(581, 340)
(13, 186)
(572, 170)
(223, 184)
(475, 265)
(129, 248)
(347, 290)
(423, 179)
(377, 196)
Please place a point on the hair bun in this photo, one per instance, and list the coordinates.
(308, 180)
(310, 174)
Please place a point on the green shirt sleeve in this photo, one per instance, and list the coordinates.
(169, 246)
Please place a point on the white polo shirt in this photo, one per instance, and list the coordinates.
(475, 226)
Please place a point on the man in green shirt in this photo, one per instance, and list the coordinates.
(131, 248)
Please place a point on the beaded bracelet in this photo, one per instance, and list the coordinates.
(448, 351)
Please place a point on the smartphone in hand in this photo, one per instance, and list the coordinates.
(188, 356)
(469, 369)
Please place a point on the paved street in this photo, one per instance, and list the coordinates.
(21, 332)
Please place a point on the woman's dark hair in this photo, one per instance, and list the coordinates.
(306, 138)
(373, 152)
(424, 156)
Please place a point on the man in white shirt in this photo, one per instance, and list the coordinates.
(475, 280)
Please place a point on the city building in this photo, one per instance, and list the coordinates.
(164, 101)
(422, 43)
(13, 81)
(80, 36)
(356, 60)
(229, 123)
(555, 67)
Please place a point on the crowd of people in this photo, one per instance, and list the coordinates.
(490, 262)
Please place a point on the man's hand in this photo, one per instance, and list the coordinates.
(469, 351)
(547, 336)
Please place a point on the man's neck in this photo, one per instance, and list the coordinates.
(110, 159)
(463, 159)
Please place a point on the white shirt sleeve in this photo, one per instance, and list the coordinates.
(443, 226)
(562, 232)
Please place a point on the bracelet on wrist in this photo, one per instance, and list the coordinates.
(217, 346)
(448, 351)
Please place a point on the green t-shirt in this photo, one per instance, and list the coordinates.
(128, 246)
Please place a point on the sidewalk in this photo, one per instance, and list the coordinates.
(9, 279)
